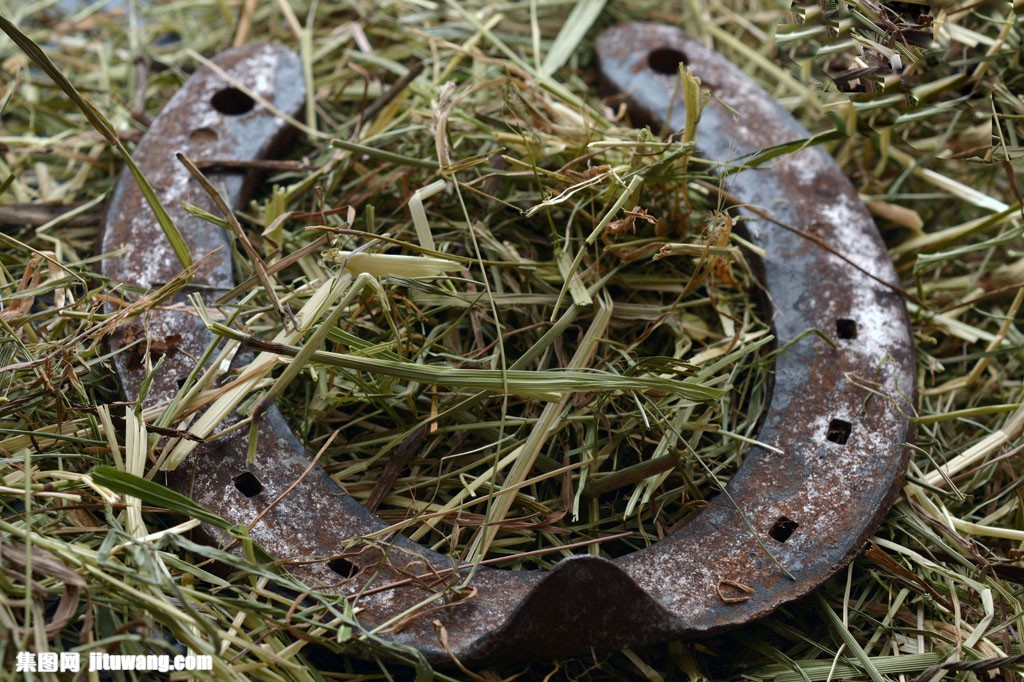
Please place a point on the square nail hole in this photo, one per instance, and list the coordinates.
(839, 431)
(783, 528)
(247, 484)
(846, 328)
(343, 567)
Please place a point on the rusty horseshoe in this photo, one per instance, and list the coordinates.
(835, 428)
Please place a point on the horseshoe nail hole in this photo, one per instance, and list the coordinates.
(665, 60)
(203, 136)
(783, 528)
(839, 431)
(343, 567)
(247, 484)
(232, 102)
(846, 328)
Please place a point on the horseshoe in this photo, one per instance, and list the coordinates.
(798, 509)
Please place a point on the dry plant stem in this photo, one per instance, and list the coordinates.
(1011, 430)
(314, 309)
(314, 342)
(930, 241)
(527, 454)
(979, 367)
(258, 265)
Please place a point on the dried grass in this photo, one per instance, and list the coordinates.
(472, 135)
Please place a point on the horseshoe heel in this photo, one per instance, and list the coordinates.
(838, 417)
(796, 511)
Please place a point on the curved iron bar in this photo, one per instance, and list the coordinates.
(795, 512)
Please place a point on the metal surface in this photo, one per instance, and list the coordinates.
(794, 514)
